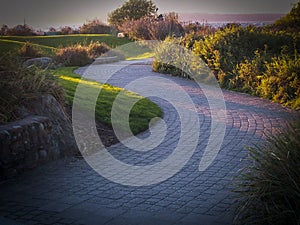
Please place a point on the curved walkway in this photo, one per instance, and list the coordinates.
(69, 192)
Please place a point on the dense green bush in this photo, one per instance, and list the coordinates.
(230, 46)
(248, 74)
(269, 188)
(281, 80)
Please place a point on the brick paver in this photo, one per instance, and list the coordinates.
(68, 191)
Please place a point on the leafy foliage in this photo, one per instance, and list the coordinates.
(269, 187)
(281, 80)
(248, 74)
(230, 46)
(131, 10)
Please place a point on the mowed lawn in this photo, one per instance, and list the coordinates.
(48, 44)
(57, 41)
(141, 114)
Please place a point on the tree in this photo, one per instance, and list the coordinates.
(131, 10)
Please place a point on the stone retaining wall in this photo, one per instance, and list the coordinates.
(44, 134)
(25, 144)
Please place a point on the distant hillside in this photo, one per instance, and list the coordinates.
(238, 18)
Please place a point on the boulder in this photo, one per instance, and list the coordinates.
(43, 62)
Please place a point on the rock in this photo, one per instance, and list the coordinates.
(43, 62)
(62, 131)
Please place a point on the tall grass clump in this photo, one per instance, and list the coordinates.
(75, 55)
(29, 50)
(81, 55)
(19, 85)
(96, 49)
(270, 188)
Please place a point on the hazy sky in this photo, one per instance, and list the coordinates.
(46, 13)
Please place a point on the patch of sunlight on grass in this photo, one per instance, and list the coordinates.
(95, 84)
(141, 114)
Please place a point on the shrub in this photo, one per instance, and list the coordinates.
(281, 80)
(248, 74)
(18, 84)
(168, 58)
(169, 26)
(269, 188)
(29, 50)
(199, 30)
(174, 59)
(151, 28)
(96, 49)
(94, 27)
(76, 55)
(228, 47)
(137, 29)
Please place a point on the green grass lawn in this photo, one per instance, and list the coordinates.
(49, 44)
(141, 114)
(67, 40)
